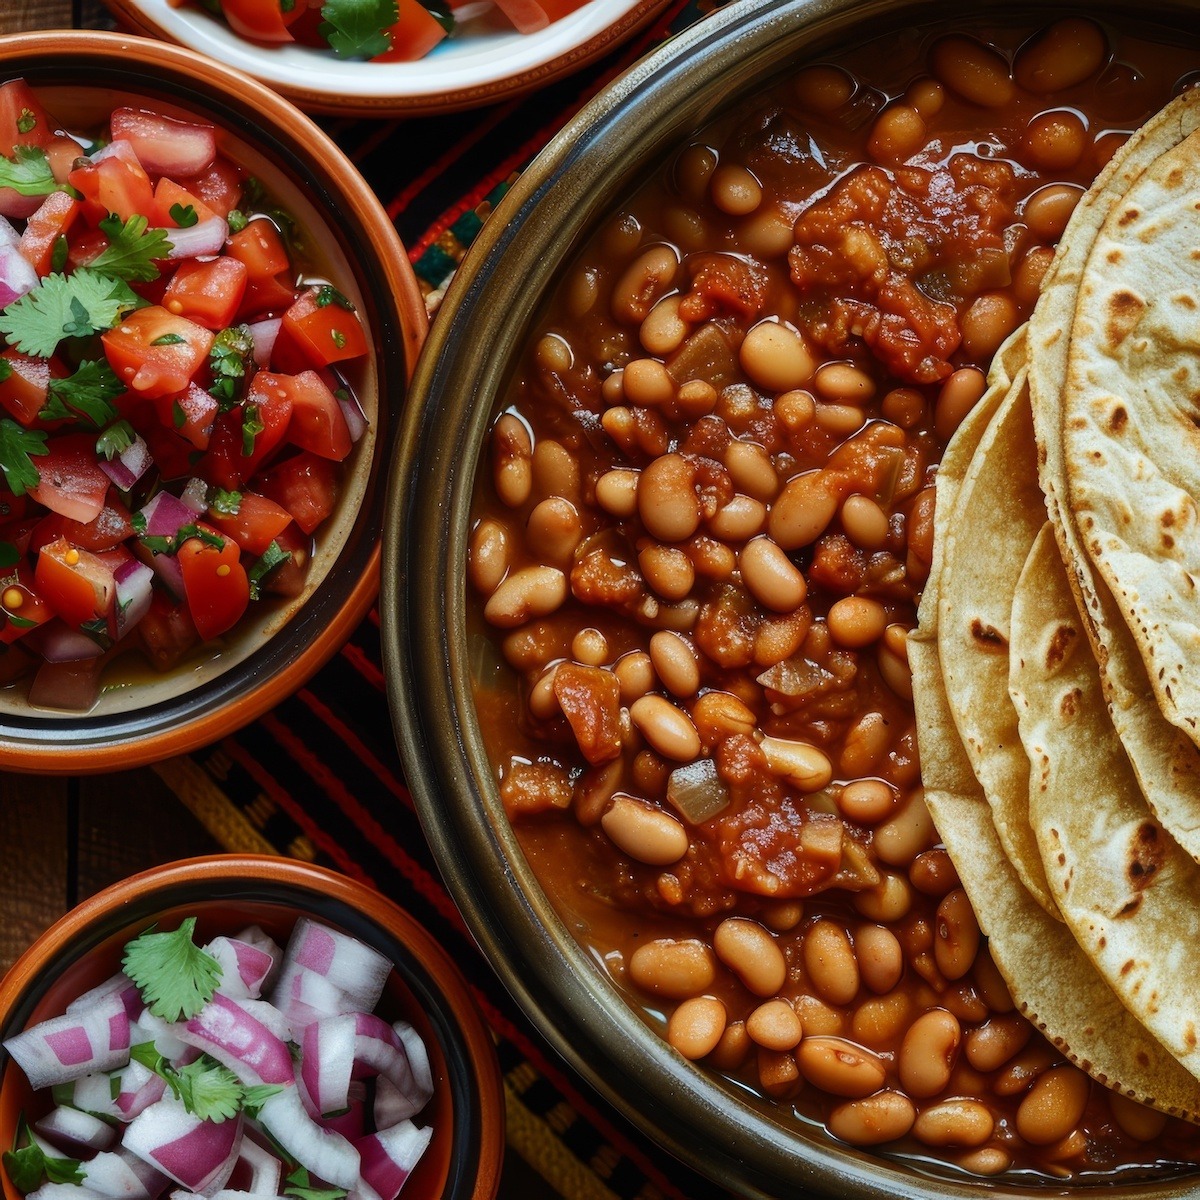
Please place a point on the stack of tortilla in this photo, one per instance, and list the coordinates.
(1058, 719)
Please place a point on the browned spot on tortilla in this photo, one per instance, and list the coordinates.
(1115, 255)
(1124, 312)
(988, 636)
(1127, 966)
(1175, 177)
(1118, 418)
(1068, 706)
(1189, 1034)
(1103, 941)
(1186, 301)
(1061, 641)
(1146, 854)
(1168, 518)
(1127, 910)
(1168, 542)
(1130, 214)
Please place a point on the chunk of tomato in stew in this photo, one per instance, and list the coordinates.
(215, 584)
(154, 352)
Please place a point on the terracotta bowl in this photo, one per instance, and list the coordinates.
(226, 892)
(746, 1143)
(141, 716)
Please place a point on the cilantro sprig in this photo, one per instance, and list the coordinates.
(88, 393)
(83, 303)
(18, 447)
(176, 978)
(132, 249)
(300, 1185)
(28, 172)
(229, 361)
(358, 28)
(28, 1164)
(206, 1088)
(273, 556)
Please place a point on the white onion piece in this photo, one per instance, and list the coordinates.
(197, 1154)
(418, 1056)
(93, 1094)
(231, 1194)
(63, 1191)
(377, 1046)
(227, 1031)
(119, 984)
(325, 1154)
(17, 276)
(8, 234)
(165, 1037)
(130, 465)
(205, 238)
(112, 1174)
(73, 1131)
(389, 1156)
(117, 148)
(264, 334)
(135, 592)
(73, 1045)
(243, 967)
(195, 494)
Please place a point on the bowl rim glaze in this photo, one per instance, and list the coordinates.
(58, 744)
(396, 91)
(422, 964)
(731, 1136)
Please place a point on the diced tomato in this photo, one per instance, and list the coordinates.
(111, 528)
(113, 185)
(207, 291)
(256, 524)
(321, 330)
(174, 456)
(287, 578)
(170, 195)
(154, 352)
(215, 584)
(70, 480)
(220, 187)
(24, 122)
(75, 583)
(167, 632)
(23, 392)
(165, 145)
(190, 414)
(305, 484)
(21, 608)
(528, 16)
(413, 35)
(318, 423)
(259, 20)
(53, 219)
(268, 402)
(83, 246)
(269, 279)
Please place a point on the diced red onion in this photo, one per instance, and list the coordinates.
(165, 145)
(195, 496)
(8, 233)
(378, 1048)
(74, 1131)
(269, 1017)
(135, 583)
(243, 967)
(354, 968)
(327, 1061)
(265, 1168)
(201, 240)
(303, 996)
(164, 1036)
(389, 1156)
(68, 1047)
(63, 1191)
(58, 642)
(351, 1123)
(164, 514)
(199, 1155)
(117, 148)
(130, 465)
(139, 1087)
(356, 421)
(224, 1029)
(418, 1055)
(112, 1173)
(230, 1194)
(119, 985)
(93, 1094)
(13, 204)
(264, 334)
(16, 275)
(324, 1153)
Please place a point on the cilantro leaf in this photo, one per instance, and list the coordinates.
(327, 294)
(29, 1164)
(253, 1098)
(273, 556)
(358, 28)
(89, 393)
(9, 557)
(116, 439)
(61, 306)
(300, 1185)
(252, 426)
(131, 250)
(28, 172)
(17, 446)
(229, 360)
(226, 503)
(207, 1089)
(184, 215)
(176, 978)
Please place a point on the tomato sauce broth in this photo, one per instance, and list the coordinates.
(698, 548)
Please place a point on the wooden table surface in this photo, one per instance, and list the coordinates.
(63, 839)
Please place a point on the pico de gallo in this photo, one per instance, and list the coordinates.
(379, 30)
(173, 413)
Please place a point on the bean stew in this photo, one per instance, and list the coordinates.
(697, 550)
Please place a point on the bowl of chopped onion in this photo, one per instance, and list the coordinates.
(207, 324)
(248, 1027)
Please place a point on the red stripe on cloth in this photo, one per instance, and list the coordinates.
(366, 666)
(423, 883)
(390, 780)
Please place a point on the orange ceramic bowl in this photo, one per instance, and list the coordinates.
(226, 892)
(142, 716)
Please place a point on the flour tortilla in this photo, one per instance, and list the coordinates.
(1050, 978)
(1126, 890)
(1164, 758)
(1130, 411)
(996, 518)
